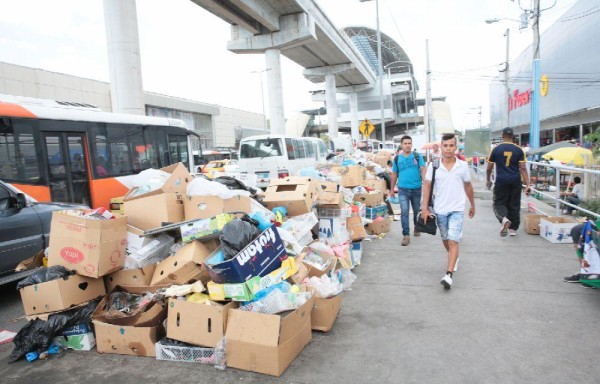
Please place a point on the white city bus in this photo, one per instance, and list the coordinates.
(279, 156)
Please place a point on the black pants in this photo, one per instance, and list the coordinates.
(507, 203)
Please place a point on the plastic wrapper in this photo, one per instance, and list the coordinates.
(290, 241)
(277, 298)
(313, 259)
(322, 249)
(182, 290)
(149, 180)
(311, 172)
(123, 304)
(205, 187)
(47, 274)
(347, 278)
(300, 226)
(325, 286)
(153, 252)
(235, 236)
(37, 335)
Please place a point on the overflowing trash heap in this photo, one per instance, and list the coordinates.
(205, 271)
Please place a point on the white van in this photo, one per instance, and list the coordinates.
(341, 142)
(279, 156)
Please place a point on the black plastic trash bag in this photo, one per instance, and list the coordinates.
(46, 274)
(235, 184)
(37, 335)
(236, 235)
(387, 178)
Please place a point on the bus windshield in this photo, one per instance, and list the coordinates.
(261, 148)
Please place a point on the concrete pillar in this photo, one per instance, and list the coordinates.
(275, 91)
(125, 66)
(331, 104)
(354, 116)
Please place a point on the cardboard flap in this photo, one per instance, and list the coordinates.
(291, 323)
(253, 327)
(292, 180)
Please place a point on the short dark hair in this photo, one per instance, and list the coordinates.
(577, 179)
(404, 138)
(449, 136)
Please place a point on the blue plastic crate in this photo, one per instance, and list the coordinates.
(373, 212)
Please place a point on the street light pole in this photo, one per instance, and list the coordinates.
(380, 70)
(262, 94)
(506, 78)
(534, 139)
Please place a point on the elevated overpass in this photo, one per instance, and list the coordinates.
(299, 30)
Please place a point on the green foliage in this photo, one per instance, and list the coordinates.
(594, 139)
(592, 205)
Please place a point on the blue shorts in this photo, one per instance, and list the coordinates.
(450, 225)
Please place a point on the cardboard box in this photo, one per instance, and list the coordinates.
(352, 176)
(355, 228)
(235, 292)
(330, 200)
(327, 186)
(176, 183)
(204, 228)
(296, 194)
(82, 342)
(151, 211)
(302, 272)
(316, 272)
(133, 336)
(325, 313)
(92, 248)
(60, 294)
(532, 223)
(204, 207)
(371, 199)
(258, 258)
(198, 324)
(124, 277)
(185, 266)
(136, 239)
(333, 230)
(78, 329)
(557, 230)
(379, 227)
(376, 184)
(266, 343)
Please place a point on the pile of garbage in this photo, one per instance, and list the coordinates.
(258, 269)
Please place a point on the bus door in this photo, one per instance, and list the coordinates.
(67, 169)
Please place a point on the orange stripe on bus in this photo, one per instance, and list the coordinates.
(39, 192)
(103, 190)
(14, 110)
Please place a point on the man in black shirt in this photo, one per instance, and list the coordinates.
(510, 161)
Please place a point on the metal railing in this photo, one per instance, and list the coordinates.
(557, 175)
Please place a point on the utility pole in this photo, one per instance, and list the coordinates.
(534, 139)
(506, 78)
(380, 70)
(428, 101)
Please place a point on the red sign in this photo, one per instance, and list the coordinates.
(519, 99)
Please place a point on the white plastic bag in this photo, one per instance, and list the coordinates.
(200, 186)
(325, 286)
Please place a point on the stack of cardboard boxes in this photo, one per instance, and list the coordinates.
(98, 250)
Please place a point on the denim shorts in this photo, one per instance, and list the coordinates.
(450, 225)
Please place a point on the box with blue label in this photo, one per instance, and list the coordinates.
(333, 230)
(79, 329)
(356, 252)
(378, 211)
(259, 258)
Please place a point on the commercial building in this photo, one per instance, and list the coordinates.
(216, 125)
(570, 81)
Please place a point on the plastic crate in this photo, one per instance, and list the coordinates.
(188, 354)
(374, 212)
(333, 212)
(152, 253)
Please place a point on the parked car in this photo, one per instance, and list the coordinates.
(24, 229)
(232, 167)
(215, 165)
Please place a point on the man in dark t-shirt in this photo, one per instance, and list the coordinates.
(510, 161)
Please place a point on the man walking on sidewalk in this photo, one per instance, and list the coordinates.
(452, 182)
(408, 170)
(510, 161)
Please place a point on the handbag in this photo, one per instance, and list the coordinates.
(431, 226)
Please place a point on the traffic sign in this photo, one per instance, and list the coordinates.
(366, 128)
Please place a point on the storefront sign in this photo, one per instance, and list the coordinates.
(519, 99)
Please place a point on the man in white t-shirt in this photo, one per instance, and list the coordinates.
(574, 197)
(452, 182)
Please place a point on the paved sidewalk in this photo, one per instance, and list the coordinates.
(509, 318)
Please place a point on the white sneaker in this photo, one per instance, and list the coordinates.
(505, 225)
(456, 265)
(512, 232)
(446, 281)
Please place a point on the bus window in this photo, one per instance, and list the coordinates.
(310, 150)
(18, 157)
(299, 147)
(289, 145)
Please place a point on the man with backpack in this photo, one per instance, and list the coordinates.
(408, 171)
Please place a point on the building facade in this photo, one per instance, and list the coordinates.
(216, 125)
(570, 81)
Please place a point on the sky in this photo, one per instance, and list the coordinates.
(184, 52)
